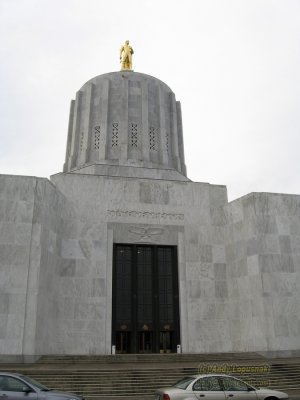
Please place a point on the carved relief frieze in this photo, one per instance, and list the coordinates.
(145, 233)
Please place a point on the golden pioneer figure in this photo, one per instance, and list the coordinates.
(126, 52)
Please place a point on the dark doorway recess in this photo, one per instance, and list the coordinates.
(145, 312)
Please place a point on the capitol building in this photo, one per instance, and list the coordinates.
(122, 253)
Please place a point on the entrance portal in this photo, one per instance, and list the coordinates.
(145, 314)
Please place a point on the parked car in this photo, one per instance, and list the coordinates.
(21, 387)
(216, 387)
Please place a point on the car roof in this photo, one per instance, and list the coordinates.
(11, 374)
(208, 375)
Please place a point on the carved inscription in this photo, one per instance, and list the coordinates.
(145, 214)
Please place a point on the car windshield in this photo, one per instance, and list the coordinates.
(34, 383)
(184, 383)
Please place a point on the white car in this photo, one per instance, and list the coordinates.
(21, 387)
(216, 387)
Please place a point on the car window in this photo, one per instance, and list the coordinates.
(35, 383)
(2, 382)
(184, 383)
(9, 384)
(207, 384)
(234, 384)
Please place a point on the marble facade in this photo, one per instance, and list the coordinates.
(238, 262)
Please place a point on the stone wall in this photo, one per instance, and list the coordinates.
(32, 214)
(205, 271)
(18, 251)
(56, 218)
(238, 262)
(262, 252)
(120, 210)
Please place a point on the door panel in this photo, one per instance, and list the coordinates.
(240, 395)
(145, 342)
(237, 390)
(208, 388)
(213, 395)
(145, 299)
(15, 395)
(122, 300)
(123, 342)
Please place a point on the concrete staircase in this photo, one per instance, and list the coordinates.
(150, 358)
(137, 376)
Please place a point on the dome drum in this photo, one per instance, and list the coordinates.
(125, 119)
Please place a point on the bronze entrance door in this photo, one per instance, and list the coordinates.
(145, 312)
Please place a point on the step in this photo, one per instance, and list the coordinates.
(171, 357)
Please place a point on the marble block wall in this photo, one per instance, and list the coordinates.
(262, 254)
(128, 210)
(238, 262)
(72, 274)
(56, 219)
(27, 214)
(34, 217)
(205, 271)
(17, 249)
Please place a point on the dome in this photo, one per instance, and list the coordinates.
(123, 120)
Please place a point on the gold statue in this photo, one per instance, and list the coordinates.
(126, 52)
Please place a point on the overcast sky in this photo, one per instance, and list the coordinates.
(233, 64)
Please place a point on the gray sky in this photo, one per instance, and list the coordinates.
(234, 65)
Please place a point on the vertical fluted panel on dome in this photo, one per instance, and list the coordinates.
(175, 150)
(163, 156)
(167, 140)
(103, 151)
(84, 139)
(96, 150)
(78, 109)
(113, 118)
(154, 122)
(123, 123)
(135, 127)
(125, 119)
(145, 150)
(180, 138)
(69, 139)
